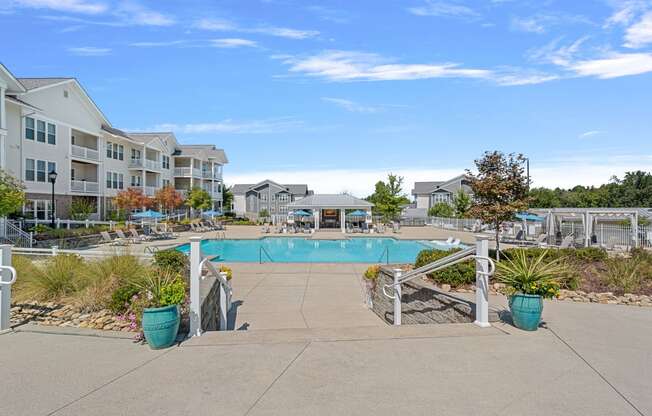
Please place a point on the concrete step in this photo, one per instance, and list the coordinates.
(364, 333)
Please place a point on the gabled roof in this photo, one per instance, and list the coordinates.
(20, 102)
(425, 187)
(115, 132)
(330, 201)
(160, 137)
(202, 151)
(421, 188)
(13, 84)
(34, 83)
(294, 189)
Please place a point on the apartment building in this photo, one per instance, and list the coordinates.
(427, 194)
(250, 199)
(52, 124)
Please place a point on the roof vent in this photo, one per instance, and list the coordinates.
(65, 93)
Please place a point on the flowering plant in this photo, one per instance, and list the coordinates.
(228, 271)
(372, 273)
(532, 275)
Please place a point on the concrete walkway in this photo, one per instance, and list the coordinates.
(592, 360)
(281, 295)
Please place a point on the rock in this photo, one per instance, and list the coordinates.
(445, 287)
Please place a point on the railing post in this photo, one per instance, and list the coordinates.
(195, 281)
(482, 281)
(224, 305)
(397, 296)
(5, 289)
(55, 251)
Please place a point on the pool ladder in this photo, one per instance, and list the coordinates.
(260, 255)
(385, 255)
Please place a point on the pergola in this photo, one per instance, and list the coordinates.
(589, 216)
(321, 203)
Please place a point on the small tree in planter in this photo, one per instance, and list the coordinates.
(370, 279)
(529, 280)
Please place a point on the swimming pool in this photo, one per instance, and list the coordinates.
(303, 250)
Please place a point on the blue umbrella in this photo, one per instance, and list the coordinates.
(529, 217)
(211, 213)
(358, 213)
(301, 213)
(148, 214)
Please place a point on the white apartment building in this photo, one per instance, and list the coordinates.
(51, 124)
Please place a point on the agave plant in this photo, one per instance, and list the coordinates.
(532, 275)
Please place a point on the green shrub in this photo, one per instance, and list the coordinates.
(107, 276)
(173, 293)
(623, 275)
(456, 275)
(529, 275)
(121, 298)
(26, 272)
(372, 273)
(172, 260)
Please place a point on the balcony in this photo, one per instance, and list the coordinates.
(85, 187)
(85, 153)
(187, 172)
(150, 190)
(144, 164)
(183, 193)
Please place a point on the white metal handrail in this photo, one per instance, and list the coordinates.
(13, 276)
(226, 291)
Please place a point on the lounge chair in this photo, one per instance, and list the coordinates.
(449, 240)
(106, 238)
(139, 237)
(121, 235)
(456, 242)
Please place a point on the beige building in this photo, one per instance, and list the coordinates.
(52, 124)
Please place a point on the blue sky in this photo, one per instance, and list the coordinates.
(338, 93)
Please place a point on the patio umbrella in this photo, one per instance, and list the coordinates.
(358, 213)
(149, 214)
(301, 213)
(211, 213)
(526, 216)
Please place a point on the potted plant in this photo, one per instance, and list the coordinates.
(162, 291)
(370, 279)
(228, 271)
(530, 279)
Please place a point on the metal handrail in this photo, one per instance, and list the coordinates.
(13, 275)
(386, 251)
(260, 255)
(225, 288)
(436, 264)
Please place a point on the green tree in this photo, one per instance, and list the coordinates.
(388, 197)
(263, 214)
(199, 199)
(500, 189)
(227, 198)
(12, 194)
(81, 208)
(441, 209)
(462, 203)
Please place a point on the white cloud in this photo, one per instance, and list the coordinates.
(614, 65)
(233, 43)
(343, 66)
(625, 11)
(528, 24)
(591, 133)
(443, 9)
(640, 33)
(72, 6)
(157, 44)
(136, 14)
(351, 106)
(228, 126)
(89, 51)
(223, 25)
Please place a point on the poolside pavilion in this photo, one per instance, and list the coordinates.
(329, 211)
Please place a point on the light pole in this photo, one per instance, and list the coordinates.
(52, 177)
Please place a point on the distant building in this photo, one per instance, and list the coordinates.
(427, 194)
(249, 200)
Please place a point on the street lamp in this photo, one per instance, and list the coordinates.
(52, 177)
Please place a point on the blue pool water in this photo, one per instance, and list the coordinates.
(301, 250)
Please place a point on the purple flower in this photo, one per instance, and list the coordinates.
(132, 325)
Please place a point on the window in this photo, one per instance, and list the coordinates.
(29, 169)
(51, 167)
(136, 180)
(115, 151)
(52, 134)
(115, 180)
(39, 208)
(40, 131)
(29, 128)
(72, 174)
(263, 197)
(108, 180)
(121, 181)
(40, 171)
(135, 154)
(166, 182)
(440, 197)
(166, 162)
(283, 197)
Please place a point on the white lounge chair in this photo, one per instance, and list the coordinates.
(139, 237)
(106, 238)
(456, 242)
(449, 240)
(121, 235)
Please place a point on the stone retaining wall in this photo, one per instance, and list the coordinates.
(421, 304)
(210, 302)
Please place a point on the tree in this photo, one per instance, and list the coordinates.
(168, 198)
(12, 194)
(81, 208)
(199, 199)
(462, 203)
(441, 209)
(500, 189)
(263, 214)
(388, 197)
(227, 198)
(131, 199)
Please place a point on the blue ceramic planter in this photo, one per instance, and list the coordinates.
(160, 326)
(526, 311)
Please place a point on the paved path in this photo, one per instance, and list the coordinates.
(277, 296)
(593, 360)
